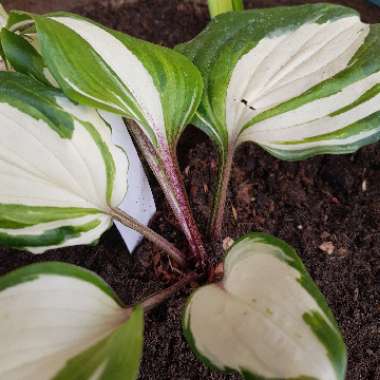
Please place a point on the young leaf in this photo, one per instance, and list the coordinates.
(217, 7)
(62, 322)
(60, 172)
(22, 56)
(266, 319)
(298, 81)
(157, 88)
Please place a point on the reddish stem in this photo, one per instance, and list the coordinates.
(162, 295)
(179, 203)
(164, 164)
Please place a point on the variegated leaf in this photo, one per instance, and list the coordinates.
(156, 87)
(298, 81)
(59, 171)
(266, 319)
(139, 203)
(62, 322)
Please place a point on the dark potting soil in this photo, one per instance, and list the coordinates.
(327, 207)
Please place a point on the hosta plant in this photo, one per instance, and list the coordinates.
(297, 81)
(62, 177)
(265, 319)
(157, 89)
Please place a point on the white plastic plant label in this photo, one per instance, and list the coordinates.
(139, 201)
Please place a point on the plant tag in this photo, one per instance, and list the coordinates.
(139, 201)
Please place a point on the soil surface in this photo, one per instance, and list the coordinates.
(327, 207)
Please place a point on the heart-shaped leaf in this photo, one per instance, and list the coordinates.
(59, 172)
(62, 322)
(298, 81)
(266, 319)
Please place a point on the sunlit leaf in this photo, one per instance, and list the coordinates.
(58, 321)
(266, 319)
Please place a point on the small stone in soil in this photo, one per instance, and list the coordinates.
(327, 247)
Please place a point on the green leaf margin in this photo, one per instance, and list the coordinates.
(216, 52)
(330, 338)
(34, 271)
(121, 353)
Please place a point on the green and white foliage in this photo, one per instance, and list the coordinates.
(266, 319)
(59, 171)
(158, 88)
(61, 322)
(298, 81)
(22, 54)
